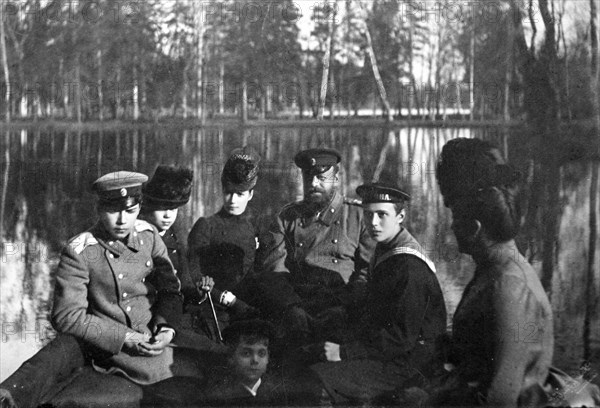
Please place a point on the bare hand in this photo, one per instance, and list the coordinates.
(332, 351)
(133, 341)
(157, 344)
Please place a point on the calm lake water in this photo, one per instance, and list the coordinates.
(46, 199)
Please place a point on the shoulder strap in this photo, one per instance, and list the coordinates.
(404, 251)
(141, 225)
(82, 241)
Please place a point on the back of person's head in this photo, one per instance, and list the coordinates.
(475, 180)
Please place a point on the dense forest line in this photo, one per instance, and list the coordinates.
(477, 60)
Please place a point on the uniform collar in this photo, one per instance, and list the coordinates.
(117, 247)
(329, 214)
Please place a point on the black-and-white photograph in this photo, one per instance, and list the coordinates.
(299, 203)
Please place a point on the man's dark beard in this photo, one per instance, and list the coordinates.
(314, 206)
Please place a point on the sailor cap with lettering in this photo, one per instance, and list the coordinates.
(379, 192)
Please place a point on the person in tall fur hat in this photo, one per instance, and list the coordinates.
(169, 189)
(223, 246)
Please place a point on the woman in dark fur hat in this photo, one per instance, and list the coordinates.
(223, 245)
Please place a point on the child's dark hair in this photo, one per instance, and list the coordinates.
(475, 180)
(253, 329)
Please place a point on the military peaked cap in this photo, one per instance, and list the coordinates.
(120, 188)
(317, 159)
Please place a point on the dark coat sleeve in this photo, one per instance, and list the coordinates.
(169, 303)
(198, 238)
(405, 305)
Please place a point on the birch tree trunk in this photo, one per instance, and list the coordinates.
(221, 86)
(5, 68)
(77, 87)
(378, 80)
(593, 221)
(507, 73)
(326, 61)
(472, 74)
(100, 91)
(136, 91)
(200, 29)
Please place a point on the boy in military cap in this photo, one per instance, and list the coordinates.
(119, 199)
(403, 316)
(316, 254)
(223, 246)
(103, 284)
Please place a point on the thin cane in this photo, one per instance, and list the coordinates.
(212, 307)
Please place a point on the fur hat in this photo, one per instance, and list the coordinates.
(240, 172)
(170, 187)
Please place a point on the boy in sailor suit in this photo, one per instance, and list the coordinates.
(403, 317)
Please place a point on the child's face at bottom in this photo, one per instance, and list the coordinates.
(250, 359)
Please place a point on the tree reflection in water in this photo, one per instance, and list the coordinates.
(46, 199)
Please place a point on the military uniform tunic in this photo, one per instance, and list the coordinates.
(318, 255)
(106, 288)
(404, 316)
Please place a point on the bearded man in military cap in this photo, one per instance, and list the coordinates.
(317, 254)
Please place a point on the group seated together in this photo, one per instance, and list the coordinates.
(331, 302)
